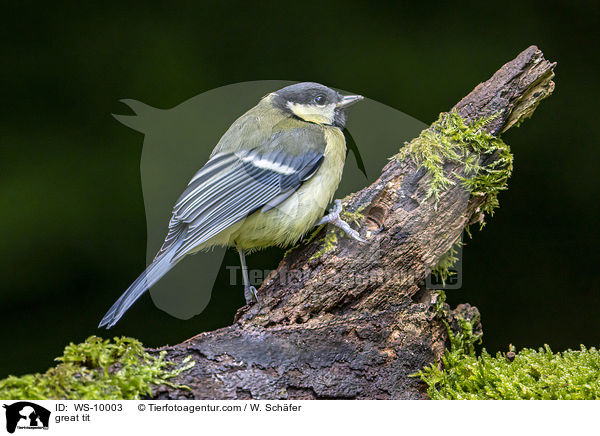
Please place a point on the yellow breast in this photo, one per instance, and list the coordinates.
(295, 216)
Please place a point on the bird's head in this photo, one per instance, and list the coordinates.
(314, 103)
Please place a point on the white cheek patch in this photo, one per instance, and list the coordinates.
(313, 113)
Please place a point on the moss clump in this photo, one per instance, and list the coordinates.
(96, 369)
(487, 160)
(529, 374)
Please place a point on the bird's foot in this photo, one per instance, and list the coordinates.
(250, 294)
(333, 217)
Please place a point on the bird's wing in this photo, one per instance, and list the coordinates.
(232, 186)
(228, 188)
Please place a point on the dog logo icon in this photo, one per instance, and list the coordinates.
(26, 415)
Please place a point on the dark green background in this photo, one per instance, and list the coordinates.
(73, 226)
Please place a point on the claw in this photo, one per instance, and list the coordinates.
(250, 294)
(333, 217)
(249, 291)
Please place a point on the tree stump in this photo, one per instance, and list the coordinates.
(340, 319)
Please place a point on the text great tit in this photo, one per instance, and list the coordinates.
(267, 182)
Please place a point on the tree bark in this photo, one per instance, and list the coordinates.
(341, 319)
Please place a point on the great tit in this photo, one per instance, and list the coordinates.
(266, 183)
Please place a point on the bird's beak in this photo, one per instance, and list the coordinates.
(348, 100)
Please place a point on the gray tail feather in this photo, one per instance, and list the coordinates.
(155, 271)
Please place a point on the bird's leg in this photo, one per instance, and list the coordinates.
(333, 217)
(249, 291)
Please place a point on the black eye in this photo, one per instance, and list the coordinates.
(320, 100)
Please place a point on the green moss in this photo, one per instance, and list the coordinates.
(447, 261)
(529, 374)
(487, 160)
(96, 369)
(328, 244)
(353, 217)
(439, 306)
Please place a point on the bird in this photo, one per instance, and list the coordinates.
(267, 182)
